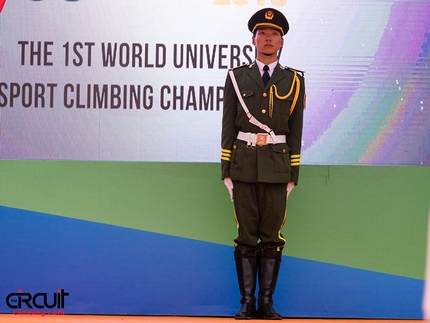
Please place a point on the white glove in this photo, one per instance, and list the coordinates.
(229, 184)
(290, 187)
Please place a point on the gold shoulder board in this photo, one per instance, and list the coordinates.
(233, 68)
(295, 69)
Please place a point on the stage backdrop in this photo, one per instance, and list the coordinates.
(110, 194)
(142, 80)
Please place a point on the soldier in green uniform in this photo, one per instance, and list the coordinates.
(260, 156)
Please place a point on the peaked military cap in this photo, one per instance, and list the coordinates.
(269, 17)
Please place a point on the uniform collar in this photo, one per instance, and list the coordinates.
(271, 66)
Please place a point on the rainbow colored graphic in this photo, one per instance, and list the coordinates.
(374, 109)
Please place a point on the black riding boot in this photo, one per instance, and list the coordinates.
(269, 264)
(246, 268)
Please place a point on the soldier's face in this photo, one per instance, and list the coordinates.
(268, 41)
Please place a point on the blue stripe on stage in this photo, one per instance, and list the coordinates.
(113, 270)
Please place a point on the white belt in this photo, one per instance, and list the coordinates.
(260, 139)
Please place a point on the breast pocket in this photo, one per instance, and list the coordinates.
(248, 97)
(282, 106)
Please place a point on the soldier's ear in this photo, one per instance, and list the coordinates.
(253, 40)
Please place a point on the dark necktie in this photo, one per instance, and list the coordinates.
(266, 75)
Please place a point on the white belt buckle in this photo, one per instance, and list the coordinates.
(261, 139)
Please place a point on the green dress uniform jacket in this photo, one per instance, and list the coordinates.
(272, 163)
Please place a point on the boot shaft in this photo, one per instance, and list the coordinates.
(268, 270)
(269, 264)
(246, 268)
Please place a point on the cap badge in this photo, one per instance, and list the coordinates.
(269, 15)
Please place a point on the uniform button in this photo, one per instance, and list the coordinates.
(234, 147)
(264, 94)
(284, 151)
(263, 111)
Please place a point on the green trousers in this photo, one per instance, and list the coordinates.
(260, 211)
